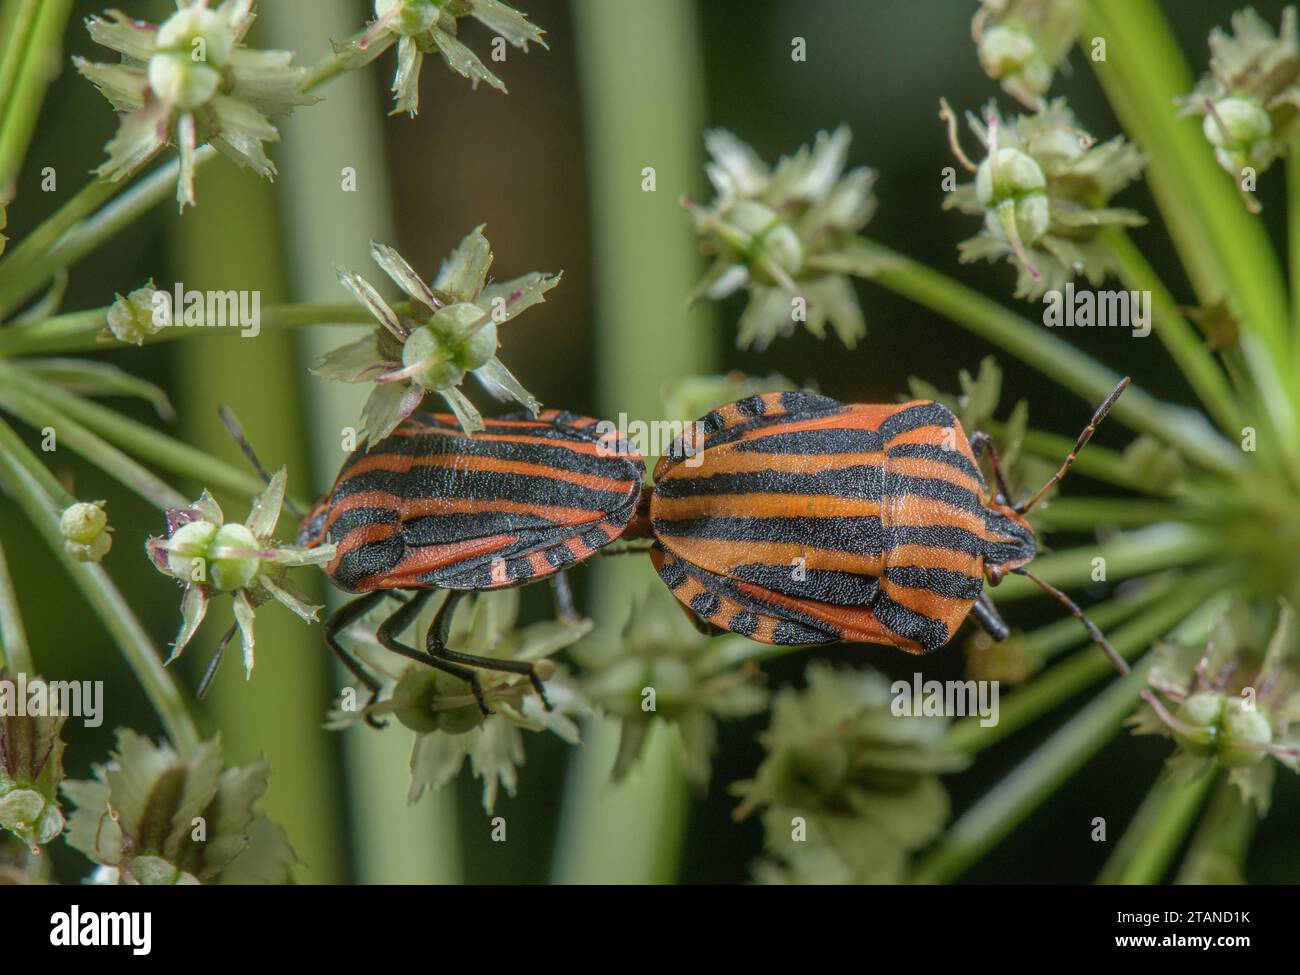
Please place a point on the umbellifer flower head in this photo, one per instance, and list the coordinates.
(1022, 42)
(1228, 702)
(447, 330)
(1043, 189)
(779, 231)
(190, 80)
(420, 27)
(448, 724)
(1250, 99)
(208, 556)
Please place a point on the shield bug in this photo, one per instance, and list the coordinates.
(431, 508)
(809, 521)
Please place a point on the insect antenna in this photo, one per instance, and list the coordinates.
(236, 431)
(1097, 636)
(1079, 444)
(211, 672)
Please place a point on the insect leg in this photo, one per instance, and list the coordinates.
(979, 442)
(564, 609)
(211, 672)
(436, 644)
(344, 617)
(988, 617)
(406, 614)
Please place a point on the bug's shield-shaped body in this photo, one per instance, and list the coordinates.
(431, 507)
(809, 521)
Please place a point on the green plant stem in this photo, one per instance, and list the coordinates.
(1085, 514)
(1009, 802)
(82, 203)
(1217, 854)
(1226, 251)
(1053, 687)
(1157, 831)
(16, 22)
(40, 62)
(1293, 246)
(15, 652)
(106, 457)
(84, 236)
(81, 330)
(1050, 355)
(1134, 553)
(141, 440)
(18, 472)
(1178, 335)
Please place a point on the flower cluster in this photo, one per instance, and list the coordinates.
(780, 232)
(87, 536)
(1043, 190)
(152, 817)
(420, 27)
(448, 724)
(190, 80)
(31, 768)
(851, 788)
(1250, 99)
(662, 669)
(1228, 702)
(1021, 43)
(447, 330)
(208, 556)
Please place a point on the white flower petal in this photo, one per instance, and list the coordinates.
(265, 511)
(403, 275)
(244, 617)
(194, 606)
(365, 293)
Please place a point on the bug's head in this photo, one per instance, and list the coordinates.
(311, 530)
(1009, 542)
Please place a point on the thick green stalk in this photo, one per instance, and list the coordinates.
(1052, 356)
(390, 841)
(1217, 854)
(40, 54)
(80, 331)
(17, 18)
(106, 457)
(84, 236)
(83, 203)
(1057, 685)
(1226, 251)
(15, 652)
(1157, 831)
(645, 250)
(1086, 514)
(1293, 246)
(18, 472)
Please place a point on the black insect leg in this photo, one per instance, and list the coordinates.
(342, 618)
(436, 643)
(401, 620)
(564, 609)
(979, 442)
(988, 617)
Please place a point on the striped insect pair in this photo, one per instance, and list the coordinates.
(799, 520)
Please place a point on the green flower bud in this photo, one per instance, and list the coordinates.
(1032, 215)
(83, 521)
(1006, 50)
(472, 340)
(233, 572)
(425, 349)
(1243, 726)
(416, 694)
(131, 318)
(201, 35)
(187, 543)
(181, 82)
(92, 551)
(768, 235)
(1009, 175)
(413, 16)
(1204, 712)
(1244, 119)
(27, 814)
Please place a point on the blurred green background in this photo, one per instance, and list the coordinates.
(554, 170)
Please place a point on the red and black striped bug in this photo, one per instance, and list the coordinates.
(431, 508)
(809, 521)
